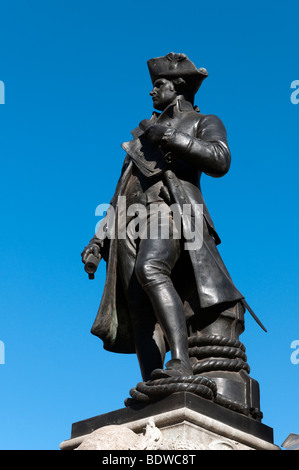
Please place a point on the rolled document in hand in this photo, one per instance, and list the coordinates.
(91, 265)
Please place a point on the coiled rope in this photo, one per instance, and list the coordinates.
(153, 389)
(215, 352)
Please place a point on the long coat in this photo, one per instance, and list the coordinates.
(196, 143)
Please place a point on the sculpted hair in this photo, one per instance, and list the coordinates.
(183, 88)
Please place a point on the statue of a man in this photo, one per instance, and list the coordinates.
(154, 285)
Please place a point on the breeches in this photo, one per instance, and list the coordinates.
(150, 250)
(145, 264)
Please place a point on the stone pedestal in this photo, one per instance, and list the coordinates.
(182, 421)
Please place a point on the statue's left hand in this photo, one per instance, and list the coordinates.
(155, 133)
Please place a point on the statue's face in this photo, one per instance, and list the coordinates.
(163, 93)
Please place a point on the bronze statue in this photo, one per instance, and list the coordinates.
(158, 295)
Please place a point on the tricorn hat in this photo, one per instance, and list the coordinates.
(173, 66)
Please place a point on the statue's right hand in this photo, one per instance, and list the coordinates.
(93, 249)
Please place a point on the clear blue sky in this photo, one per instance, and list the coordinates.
(76, 84)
